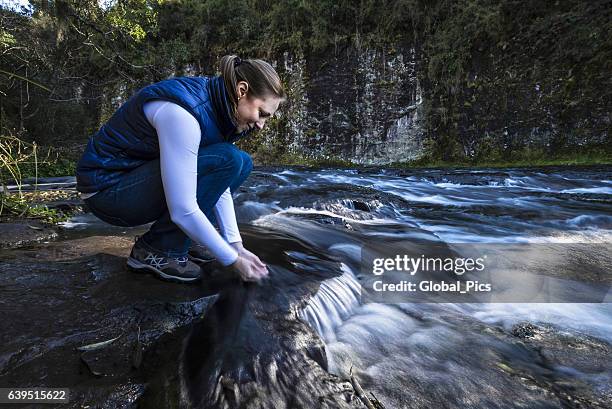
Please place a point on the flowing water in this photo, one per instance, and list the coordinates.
(480, 355)
(446, 355)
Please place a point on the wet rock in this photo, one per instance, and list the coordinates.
(79, 319)
(568, 363)
(251, 350)
(524, 330)
(73, 294)
(359, 205)
(22, 232)
(124, 397)
(570, 349)
(121, 397)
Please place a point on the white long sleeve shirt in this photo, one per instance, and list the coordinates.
(179, 138)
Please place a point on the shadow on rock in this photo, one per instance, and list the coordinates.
(252, 351)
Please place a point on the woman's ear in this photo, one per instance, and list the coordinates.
(242, 89)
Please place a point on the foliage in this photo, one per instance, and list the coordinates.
(16, 206)
(14, 154)
(496, 71)
(490, 71)
(595, 155)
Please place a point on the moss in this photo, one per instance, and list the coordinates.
(295, 159)
(499, 74)
(527, 158)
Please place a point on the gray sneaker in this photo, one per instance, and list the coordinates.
(200, 254)
(179, 269)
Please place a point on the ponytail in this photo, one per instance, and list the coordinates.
(262, 78)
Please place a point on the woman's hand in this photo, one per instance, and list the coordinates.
(248, 265)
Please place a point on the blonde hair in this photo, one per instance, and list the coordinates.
(262, 78)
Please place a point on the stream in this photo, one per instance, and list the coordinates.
(310, 227)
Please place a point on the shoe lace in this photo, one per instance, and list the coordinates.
(181, 260)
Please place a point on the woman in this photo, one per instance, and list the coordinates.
(167, 156)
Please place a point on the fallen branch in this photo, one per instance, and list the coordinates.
(359, 390)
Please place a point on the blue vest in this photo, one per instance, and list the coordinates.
(127, 140)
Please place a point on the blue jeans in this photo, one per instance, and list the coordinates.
(139, 196)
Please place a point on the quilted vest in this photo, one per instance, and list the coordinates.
(127, 140)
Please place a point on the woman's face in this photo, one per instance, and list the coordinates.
(252, 113)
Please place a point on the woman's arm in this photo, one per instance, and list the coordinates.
(226, 218)
(179, 138)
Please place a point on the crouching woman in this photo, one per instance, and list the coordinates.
(167, 156)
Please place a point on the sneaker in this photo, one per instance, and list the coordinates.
(200, 254)
(179, 269)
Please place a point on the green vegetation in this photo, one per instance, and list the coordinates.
(522, 159)
(52, 165)
(289, 159)
(528, 158)
(15, 155)
(17, 206)
(514, 81)
(498, 70)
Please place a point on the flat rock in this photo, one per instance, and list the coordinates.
(64, 302)
(23, 232)
(74, 316)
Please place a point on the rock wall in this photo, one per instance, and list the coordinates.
(459, 81)
(362, 106)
